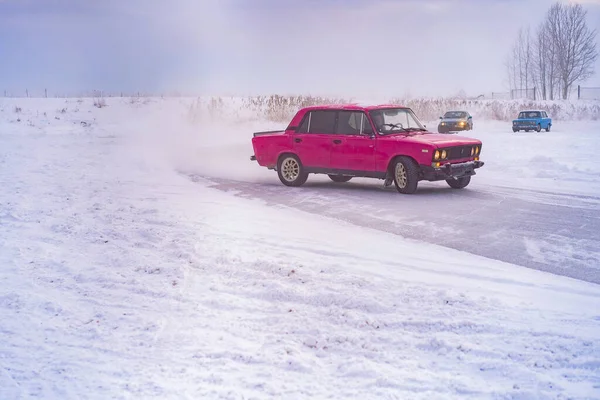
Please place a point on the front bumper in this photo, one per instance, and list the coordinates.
(448, 171)
(452, 127)
(523, 126)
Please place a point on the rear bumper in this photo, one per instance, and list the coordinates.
(448, 171)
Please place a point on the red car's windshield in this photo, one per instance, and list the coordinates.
(395, 120)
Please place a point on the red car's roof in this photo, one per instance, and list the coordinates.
(352, 106)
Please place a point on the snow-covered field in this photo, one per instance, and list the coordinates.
(136, 261)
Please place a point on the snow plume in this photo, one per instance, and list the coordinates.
(187, 135)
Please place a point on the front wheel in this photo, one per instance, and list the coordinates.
(458, 183)
(290, 171)
(548, 128)
(339, 178)
(539, 128)
(406, 175)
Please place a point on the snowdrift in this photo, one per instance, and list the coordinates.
(122, 278)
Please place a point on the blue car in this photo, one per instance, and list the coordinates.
(532, 121)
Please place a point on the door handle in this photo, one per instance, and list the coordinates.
(297, 140)
(337, 141)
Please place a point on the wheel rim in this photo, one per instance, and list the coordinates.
(401, 175)
(290, 169)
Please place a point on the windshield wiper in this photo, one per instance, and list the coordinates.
(414, 129)
(394, 126)
(403, 129)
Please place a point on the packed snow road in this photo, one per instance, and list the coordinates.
(536, 202)
(546, 231)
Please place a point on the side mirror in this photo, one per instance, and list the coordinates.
(424, 126)
(470, 117)
(441, 118)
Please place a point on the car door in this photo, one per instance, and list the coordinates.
(354, 149)
(545, 119)
(313, 140)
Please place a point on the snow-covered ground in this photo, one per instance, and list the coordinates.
(124, 273)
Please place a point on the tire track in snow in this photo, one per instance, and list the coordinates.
(501, 224)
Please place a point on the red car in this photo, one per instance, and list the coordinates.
(384, 141)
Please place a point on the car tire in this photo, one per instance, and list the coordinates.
(539, 128)
(458, 183)
(290, 170)
(406, 175)
(548, 128)
(515, 130)
(339, 178)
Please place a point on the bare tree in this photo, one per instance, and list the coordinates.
(574, 44)
(519, 62)
(561, 52)
(543, 61)
(524, 43)
(511, 70)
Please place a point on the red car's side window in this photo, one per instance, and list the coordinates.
(353, 123)
(322, 121)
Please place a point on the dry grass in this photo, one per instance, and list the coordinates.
(99, 102)
(281, 109)
(502, 110)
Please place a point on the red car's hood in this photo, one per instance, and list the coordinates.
(437, 139)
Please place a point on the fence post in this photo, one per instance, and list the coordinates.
(27, 92)
(578, 92)
(534, 93)
(46, 93)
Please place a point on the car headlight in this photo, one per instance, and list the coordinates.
(443, 154)
(443, 123)
(461, 123)
(436, 155)
(477, 150)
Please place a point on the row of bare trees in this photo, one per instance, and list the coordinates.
(561, 52)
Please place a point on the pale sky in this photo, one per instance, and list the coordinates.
(330, 47)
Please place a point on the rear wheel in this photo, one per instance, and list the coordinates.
(406, 175)
(290, 171)
(339, 178)
(458, 183)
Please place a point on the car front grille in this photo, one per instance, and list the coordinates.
(457, 152)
